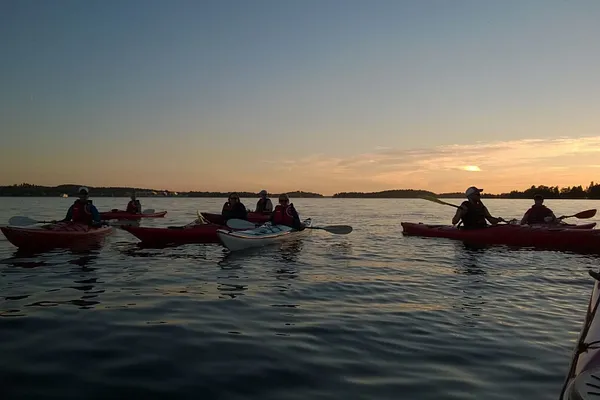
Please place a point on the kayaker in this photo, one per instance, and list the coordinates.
(83, 211)
(538, 213)
(264, 204)
(134, 206)
(234, 208)
(472, 212)
(286, 214)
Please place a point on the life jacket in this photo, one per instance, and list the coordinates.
(133, 207)
(283, 215)
(262, 205)
(82, 213)
(536, 214)
(474, 218)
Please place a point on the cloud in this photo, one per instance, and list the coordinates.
(500, 166)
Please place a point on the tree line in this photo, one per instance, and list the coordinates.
(26, 189)
(549, 192)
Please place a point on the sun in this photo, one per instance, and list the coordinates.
(471, 168)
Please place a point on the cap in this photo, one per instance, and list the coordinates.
(83, 189)
(263, 192)
(538, 197)
(472, 190)
(283, 196)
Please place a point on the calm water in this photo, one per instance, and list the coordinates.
(371, 315)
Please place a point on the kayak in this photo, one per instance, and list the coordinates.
(258, 218)
(59, 235)
(583, 379)
(176, 234)
(120, 214)
(564, 226)
(261, 236)
(587, 240)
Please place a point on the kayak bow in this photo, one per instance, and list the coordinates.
(583, 379)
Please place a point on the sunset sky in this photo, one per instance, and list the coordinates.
(314, 95)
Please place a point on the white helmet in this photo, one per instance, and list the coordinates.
(83, 189)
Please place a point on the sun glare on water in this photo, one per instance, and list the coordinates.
(471, 168)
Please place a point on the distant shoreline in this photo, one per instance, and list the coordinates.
(549, 192)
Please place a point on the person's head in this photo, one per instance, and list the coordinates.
(263, 194)
(538, 199)
(234, 198)
(83, 193)
(473, 193)
(133, 196)
(284, 200)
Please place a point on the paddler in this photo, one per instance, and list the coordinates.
(83, 211)
(473, 213)
(234, 208)
(286, 214)
(134, 206)
(264, 204)
(538, 213)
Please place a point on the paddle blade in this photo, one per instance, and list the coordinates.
(335, 229)
(21, 221)
(240, 224)
(585, 214)
(149, 211)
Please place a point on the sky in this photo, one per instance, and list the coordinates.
(324, 96)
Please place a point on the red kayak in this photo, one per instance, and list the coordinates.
(120, 214)
(258, 218)
(60, 235)
(587, 240)
(176, 234)
(569, 226)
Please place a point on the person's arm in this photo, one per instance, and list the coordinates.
(458, 216)
(95, 215)
(550, 218)
(69, 215)
(492, 220)
(269, 206)
(243, 213)
(225, 211)
(297, 224)
(525, 218)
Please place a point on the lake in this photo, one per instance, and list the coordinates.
(370, 315)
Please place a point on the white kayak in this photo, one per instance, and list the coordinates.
(583, 379)
(261, 236)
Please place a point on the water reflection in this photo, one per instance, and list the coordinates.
(472, 282)
(199, 252)
(85, 282)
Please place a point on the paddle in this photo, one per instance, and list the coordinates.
(581, 215)
(335, 229)
(201, 218)
(436, 200)
(25, 221)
